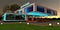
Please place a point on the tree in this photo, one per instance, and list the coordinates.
(12, 8)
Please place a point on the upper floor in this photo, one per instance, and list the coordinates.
(27, 8)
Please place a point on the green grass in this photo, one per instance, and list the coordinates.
(56, 20)
(27, 27)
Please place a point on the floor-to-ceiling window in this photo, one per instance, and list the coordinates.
(49, 11)
(10, 17)
(19, 17)
(40, 9)
(29, 9)
(14, 17)
(54, 12)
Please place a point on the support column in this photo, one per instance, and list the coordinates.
(52, 12)
(34, 8)
(45, 9)
(14, 16)
(23, 11)
(4, 17)
(27, 19)
(32, 18)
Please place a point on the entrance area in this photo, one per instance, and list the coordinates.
(31, 18)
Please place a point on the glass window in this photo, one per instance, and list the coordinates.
(29, 9)
(49, 11)
(9, 17)
(54, 13)
(15, 17)
(19, 17)
(40, 9)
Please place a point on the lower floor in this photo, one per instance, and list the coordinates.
(27, 18)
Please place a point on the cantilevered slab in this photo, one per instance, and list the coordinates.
(37, 13)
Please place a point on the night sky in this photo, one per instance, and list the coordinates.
(53, 4)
